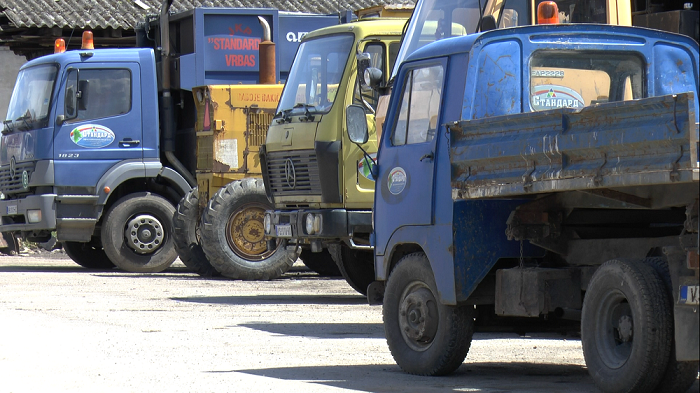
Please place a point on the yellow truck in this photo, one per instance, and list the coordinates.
(318, 180)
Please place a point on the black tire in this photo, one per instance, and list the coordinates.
(149, 220)
(678, 376)
(626, 327)
(185, 234)
(357, 267)
(320, 262)
(88, 255)
(425, 337)
(233, 236)
(12, 244)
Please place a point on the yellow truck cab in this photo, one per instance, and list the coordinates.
(319, 181)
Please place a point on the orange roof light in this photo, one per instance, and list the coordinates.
(87, 40)
(59, 45)
(547, 13)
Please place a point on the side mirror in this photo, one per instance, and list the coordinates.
(356, 123)
(363, 63)
(373, 77)
(82, 94)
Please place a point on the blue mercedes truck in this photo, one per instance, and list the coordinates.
(99, 144)
(551, 174)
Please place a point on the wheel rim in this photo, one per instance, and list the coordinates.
(144, 234)
(615, 330)
(245, 233)
(418, 316)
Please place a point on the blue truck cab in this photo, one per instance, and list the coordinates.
(99, 145)
(543, 178)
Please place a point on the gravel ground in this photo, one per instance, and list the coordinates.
(68, 329)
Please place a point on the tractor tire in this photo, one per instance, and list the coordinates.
(137, 233)
(186, 236)
(233, 235)
(425, 337)
(357, 267)
(88, 255)
(320, 262)
(626, 327)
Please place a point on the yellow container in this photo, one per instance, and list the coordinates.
(232, 122)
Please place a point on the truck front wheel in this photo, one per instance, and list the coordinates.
(88, 255)
(425, 337)
(186, 235)
(626, 327)
(137, 233)
(357, 267)
(233, 236)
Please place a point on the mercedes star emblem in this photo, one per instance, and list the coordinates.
(290, 174)
(13, 170)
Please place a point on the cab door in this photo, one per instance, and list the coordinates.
(101, 125)
(407, 159)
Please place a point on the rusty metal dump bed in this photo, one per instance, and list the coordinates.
(652, 141)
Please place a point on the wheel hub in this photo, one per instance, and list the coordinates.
(418, 318)
(624, 328)
(144, 234)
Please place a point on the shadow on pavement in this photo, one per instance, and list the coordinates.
(275, 299)
(320, 330)
(470, 377)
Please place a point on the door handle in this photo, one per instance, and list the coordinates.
(428, 156)
(128, 142)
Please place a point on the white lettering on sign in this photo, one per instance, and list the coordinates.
(296, 37)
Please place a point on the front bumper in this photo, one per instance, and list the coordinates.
(335, 224)
(13, 213)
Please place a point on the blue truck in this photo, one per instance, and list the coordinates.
(552, 174)
(98, 145)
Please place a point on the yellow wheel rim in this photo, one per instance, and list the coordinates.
(245, 233)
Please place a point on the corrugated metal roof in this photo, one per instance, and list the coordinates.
(125, 14)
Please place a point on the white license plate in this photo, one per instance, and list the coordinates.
(284, 230)
(689, 294)
(12, 209)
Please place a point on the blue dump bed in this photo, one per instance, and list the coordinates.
(652, 141)
(220, 45)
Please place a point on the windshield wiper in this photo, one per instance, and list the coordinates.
(307, 113)
(285, 116)
(24, 120)
(8, 127)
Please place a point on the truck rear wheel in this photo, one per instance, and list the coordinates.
(320, 262)
(137, 233)
(233, 235)
(425, 337)
(87, 255)
(186, 236)
(626, 327)
(357, 267)
(679, 376)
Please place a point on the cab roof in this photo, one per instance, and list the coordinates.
(362, 28)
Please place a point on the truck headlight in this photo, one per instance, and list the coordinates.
(267, 222)
(34, 216)
(314, 224)
(310, 224)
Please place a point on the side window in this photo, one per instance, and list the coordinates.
(102, 93)
(71, 97)
(377, 60)
(420, 106)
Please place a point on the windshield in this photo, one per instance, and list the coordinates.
(434, 20)
(316, 73)
(31, 97)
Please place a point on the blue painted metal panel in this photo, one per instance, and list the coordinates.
(480, 241)
(611, 145)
